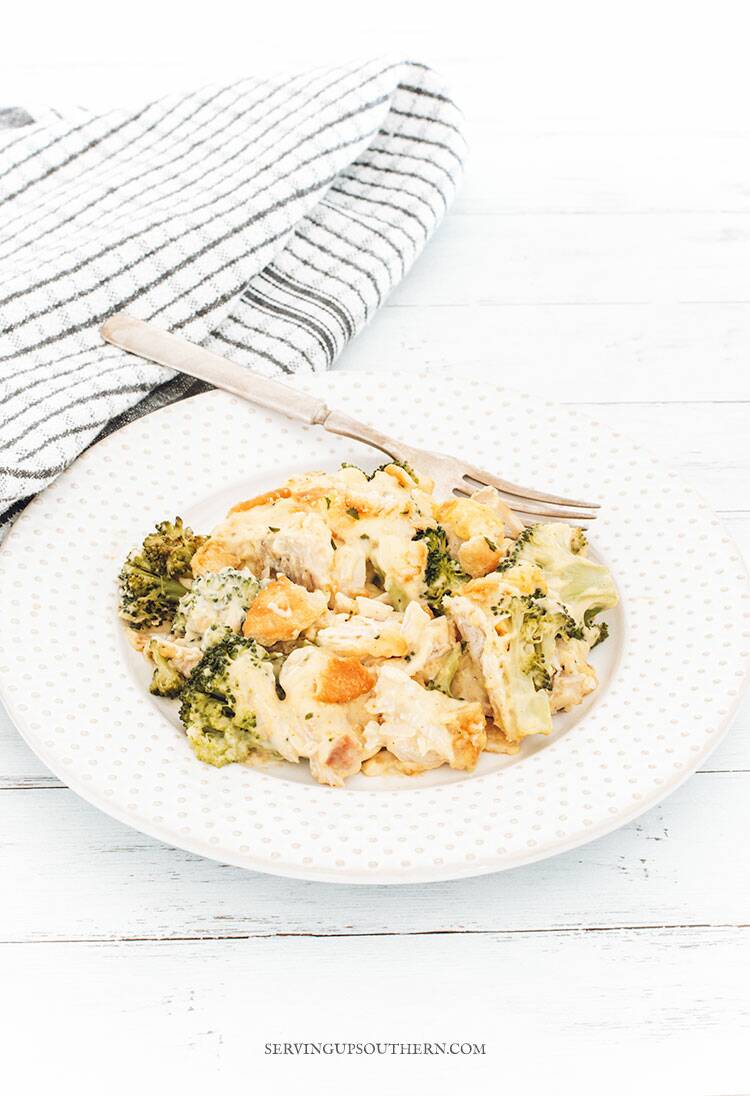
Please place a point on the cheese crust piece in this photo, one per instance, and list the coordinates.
(282, 611)
(342, 680)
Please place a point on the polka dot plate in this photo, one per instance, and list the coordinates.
(670, 675)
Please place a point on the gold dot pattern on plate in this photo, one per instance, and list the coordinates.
(676, 665)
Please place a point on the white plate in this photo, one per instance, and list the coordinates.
(671, 675)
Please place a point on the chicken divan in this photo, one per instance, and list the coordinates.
(356, 622)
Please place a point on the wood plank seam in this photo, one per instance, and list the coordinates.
(218, 938)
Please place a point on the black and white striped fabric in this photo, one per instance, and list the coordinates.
(267, 220)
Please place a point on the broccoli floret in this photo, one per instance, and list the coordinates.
(173, 661)
(525, 673)
(170, 548)
(166, 680)
(553, 616)
(574, 678)
(544, 623)
(534, 665)
(584, 587)
(443, 574)
(578, 540)
(216, 604)
(213, 674)
(508, 645)
(444, 677)
(514, 554)
(537, 631)
(149, 581)
(594, 633)
(574, 536)
(219, 724)
(146, 600)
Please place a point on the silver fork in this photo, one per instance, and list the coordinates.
(451, 476)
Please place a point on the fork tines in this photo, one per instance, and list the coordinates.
(523, 500)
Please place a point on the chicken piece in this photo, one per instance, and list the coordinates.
(467, 684)
(372, 607)
(383, 763)
(575, 678)
(417, 640)
(423, 728)
(430, 640)
(328, 530)
(302, 550)
(497, 743)
(350, 568)
(441, 658)
(342, 603)
(349, 496)
(414, 624)
(281, 611)
(336, 759)
(272, 538)
(364, 636)
(328, 731)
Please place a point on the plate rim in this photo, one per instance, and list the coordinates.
(414, 874)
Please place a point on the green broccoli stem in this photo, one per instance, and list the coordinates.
(172, 588)
(166, 680)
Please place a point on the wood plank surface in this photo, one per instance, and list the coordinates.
(543, 1004)
(670, 867)
(597, 352)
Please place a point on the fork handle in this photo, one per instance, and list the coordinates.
(147, 341)
(338, 423)
(164, 348)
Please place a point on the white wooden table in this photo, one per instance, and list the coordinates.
(606, 267)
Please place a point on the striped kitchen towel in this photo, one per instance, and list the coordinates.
(267, 220)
